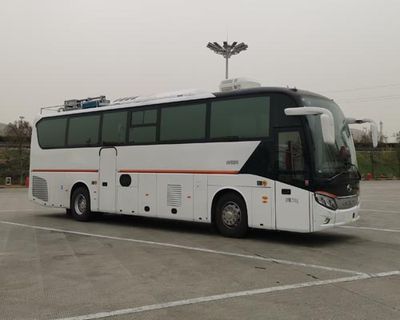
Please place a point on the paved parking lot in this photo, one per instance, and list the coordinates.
(52, 267)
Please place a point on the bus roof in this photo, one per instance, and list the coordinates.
(133, 102)
(259, 90)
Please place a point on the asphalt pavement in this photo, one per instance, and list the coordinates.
(127, 267)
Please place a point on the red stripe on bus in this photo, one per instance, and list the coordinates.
(65, 170)
(180, 171)
(331, 195)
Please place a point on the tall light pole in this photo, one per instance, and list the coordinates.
(227, 50)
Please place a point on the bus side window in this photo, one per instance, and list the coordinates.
(290, 157)
(143, 127)
(114, 128)
(83, 131)
(240, 118)
(51, 132)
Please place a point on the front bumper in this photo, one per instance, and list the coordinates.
(324, 218)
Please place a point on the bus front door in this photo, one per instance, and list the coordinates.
(292, 199)
(107, 173)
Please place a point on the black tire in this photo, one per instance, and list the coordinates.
(68, 212)
(80, 204)
(231, 215)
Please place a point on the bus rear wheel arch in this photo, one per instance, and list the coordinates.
(80, 203)
(229, 214)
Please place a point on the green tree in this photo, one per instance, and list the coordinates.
(18, 136)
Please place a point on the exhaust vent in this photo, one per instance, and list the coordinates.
(39, 188)
(174, 195)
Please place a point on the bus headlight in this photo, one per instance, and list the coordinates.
(326, 199)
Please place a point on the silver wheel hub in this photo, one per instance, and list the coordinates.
(231, 215)
(80, 204)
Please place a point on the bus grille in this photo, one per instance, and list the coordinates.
(174, 195)
(347, 202)
(39, 188)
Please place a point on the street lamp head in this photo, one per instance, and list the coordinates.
(238, 48)
(216, 48)
(227, 50)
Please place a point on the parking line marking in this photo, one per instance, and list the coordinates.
(370, 228)
(378, 210)
(21, 210)
(229, 295)
(377, 200)
(171, 245)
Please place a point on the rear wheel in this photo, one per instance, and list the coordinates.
(80, 204)
(231, 215)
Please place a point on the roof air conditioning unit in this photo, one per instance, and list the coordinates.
(237, 84)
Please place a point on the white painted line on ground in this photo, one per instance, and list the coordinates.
(229, 295)
(41, 210)
(171, 245)
(378, 200)
(369, 228)
(20, 210)
(378, 210)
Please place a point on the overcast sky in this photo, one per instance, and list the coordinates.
(55, 50)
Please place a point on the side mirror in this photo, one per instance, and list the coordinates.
(374, 128)
(326, 118)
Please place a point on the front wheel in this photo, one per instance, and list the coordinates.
(80, 204)
(231, 215)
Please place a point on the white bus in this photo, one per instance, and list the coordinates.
(268, 158)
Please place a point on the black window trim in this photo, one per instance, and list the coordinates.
(130, 125)
(143, 124)
(101, 142)
(228, 139)
(158, 107)
(206, 137)
(65, 133)
(98, 144)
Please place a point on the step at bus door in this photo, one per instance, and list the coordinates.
(107, 183)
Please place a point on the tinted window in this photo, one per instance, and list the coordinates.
(142, 134)
(114, 127)
(240, 118)
(183, 123)
(83, 130)
(51, 132)
(290, 157)
(143, 127)
(144, 117)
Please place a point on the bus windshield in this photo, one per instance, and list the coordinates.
(331, 160)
